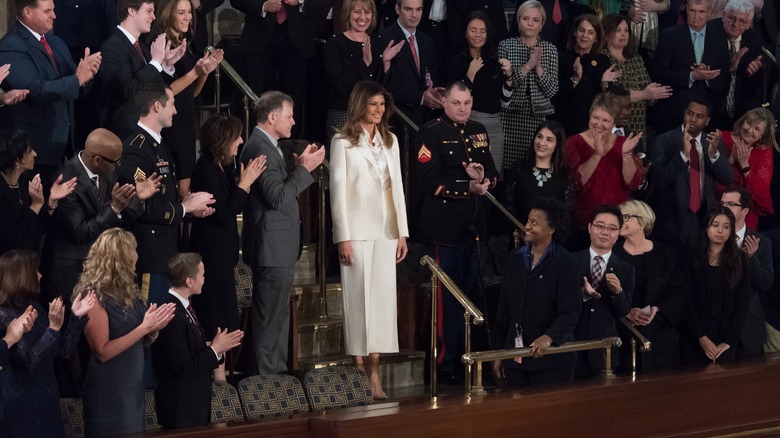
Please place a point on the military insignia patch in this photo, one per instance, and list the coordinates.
(139, 175)
(424, 154)
(479, 140)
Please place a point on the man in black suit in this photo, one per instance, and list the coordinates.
(772, 303)
(42, 64)
(607, 288)
(128, 64)
(143, 155)
(277, 39)
(96, 204)
(413, 72)
(694, 60)
(747, 79)
(762, 274)
(182, 359)
(271, 239)
(673, 193)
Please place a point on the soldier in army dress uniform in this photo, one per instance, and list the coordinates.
(143, 154)
(452, 170)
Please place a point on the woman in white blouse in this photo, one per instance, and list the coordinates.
(369, 226)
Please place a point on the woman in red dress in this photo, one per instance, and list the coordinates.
(604, 168)
(749, 146)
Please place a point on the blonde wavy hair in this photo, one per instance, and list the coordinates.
(110, 268)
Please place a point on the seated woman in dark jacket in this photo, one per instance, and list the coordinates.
(657, 305)
(540, 301)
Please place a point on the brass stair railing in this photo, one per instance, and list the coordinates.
(636, 335)
(477, 358)
(471, 313)
(239, 82)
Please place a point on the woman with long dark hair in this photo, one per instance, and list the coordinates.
(717, 299)
(542, 175)
(215, 237)
(174, 19)
(488, 78)
(32, 407)
(369, 226)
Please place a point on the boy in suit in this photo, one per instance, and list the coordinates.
(182, 358)
(607, 287)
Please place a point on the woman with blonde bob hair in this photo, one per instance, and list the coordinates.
(658, 302)
(118, 328)
(369, 226)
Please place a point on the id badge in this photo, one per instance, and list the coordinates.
(519, 344)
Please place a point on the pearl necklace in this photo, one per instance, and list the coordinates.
(542, 176)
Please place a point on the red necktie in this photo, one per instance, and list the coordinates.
(193, 315)
(695, 201)
(49, 52)
(414, 52)
(557, 16)
(138, 50)
(281, 15)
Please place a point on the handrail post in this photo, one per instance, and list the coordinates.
(246, 117)
(608, 374)
(467, 349)
(434, 349)
(477, 388)
(217, 89)
(321, 246)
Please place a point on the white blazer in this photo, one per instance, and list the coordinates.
(358, 208)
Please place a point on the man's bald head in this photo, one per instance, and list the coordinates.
(104, 146)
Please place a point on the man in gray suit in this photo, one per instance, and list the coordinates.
(271, 235)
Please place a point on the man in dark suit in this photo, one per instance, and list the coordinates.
(277, 39)
(413, 72)
(42, 64)
(607, 288)
(182, 359)
(128, 64)
(694, 60)
(678, 204)
(143, 155)
(747, 79)
(271, 240)
(762, 274)
(96, 204)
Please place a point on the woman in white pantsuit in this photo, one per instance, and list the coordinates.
(369, 226)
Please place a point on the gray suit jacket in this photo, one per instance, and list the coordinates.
(271, 235)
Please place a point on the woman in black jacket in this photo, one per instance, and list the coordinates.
(540, 301)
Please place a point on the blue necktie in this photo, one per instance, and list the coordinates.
(698, 46)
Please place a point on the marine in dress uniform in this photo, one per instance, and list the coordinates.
(157, 230)
(450, 218)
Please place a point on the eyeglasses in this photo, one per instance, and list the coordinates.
(626, 217)
(115, 163)
(730, 204)
(603, 228)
